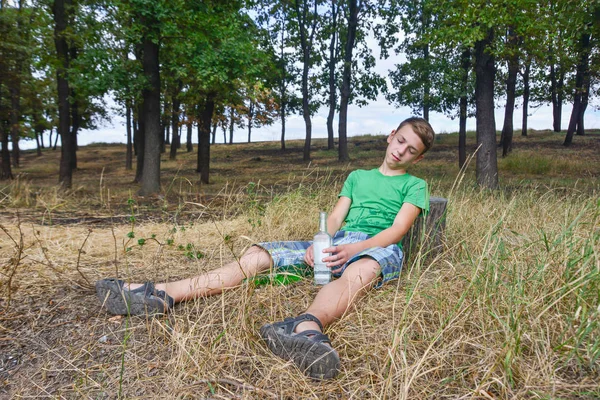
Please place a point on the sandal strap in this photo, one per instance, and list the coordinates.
(288, 325)
(148, 289)
(308, 317)
(164, 296)
(315, 336)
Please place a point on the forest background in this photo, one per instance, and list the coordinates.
(170, 66)
(507, 309)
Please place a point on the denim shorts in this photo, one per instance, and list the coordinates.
(292, 253)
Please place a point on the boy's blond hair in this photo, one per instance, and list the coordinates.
(422, 128)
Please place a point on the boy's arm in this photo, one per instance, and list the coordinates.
(334, 223)
(338, 215)
(402, 223)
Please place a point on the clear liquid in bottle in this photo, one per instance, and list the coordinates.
(321, 241)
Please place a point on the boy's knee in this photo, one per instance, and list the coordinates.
(256, 255)
(363, 272)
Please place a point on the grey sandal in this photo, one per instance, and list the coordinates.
(310, 350)
(119, 300)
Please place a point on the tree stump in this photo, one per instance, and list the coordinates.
(426, 234)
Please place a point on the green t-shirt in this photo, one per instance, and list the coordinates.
(377, 199)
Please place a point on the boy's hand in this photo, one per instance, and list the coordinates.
(309, 256)
(339, 255)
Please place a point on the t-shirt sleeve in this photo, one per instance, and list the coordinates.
(418, 195)
(348, 185)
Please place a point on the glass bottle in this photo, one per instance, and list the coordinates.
(321, 241)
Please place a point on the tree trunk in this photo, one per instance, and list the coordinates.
(38, 133)
(556, 85)
(282, 89)
(426, 83)
(346, 89)
(231, 122)
(134, 124)
(6, 172)
(151, 117)
(509, 110)
(140, 142)
(15, 89)
(283, 126)
(250, 115)
(249, 130)
(204, 120)
(180, 132)
(427, 234)
(164, 127)
(581, 78)
(15, 118)
(129, 151)
(175, 143)
(60, 9)
(462, 130)
(332, 82)
(75, 115)
(306, 42)
(282, 139)
(75, 121)
(485, 71)
(50, 137)
(188, 144)
(584, 103)
(213, 139)
(56, 139)
(526, 92)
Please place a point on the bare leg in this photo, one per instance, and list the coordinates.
(254, 261)
(336, 297)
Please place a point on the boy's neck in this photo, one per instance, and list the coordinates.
(387, 171)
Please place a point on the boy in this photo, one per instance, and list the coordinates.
(377, 206)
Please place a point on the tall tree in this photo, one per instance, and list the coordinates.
(465, 68)
(359, 82)
(512, 44)
(276, 18)
(435, 76)
(331, 59)
(353, 9)
(485, 71)
(175, 114)
(224, 54)
(526, 74)
(582, 77)
(476, 24)
(307, 19)
(61, 10)
(6, 27)
(21, 33)
(151, 110)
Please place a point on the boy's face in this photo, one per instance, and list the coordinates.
(405, 148)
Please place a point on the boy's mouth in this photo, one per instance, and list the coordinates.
(395, 157)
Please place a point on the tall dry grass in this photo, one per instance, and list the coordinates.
(510, 308)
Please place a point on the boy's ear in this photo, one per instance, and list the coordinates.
(419, 158)
(391, 136)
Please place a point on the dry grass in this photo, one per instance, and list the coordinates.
(510, 309)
